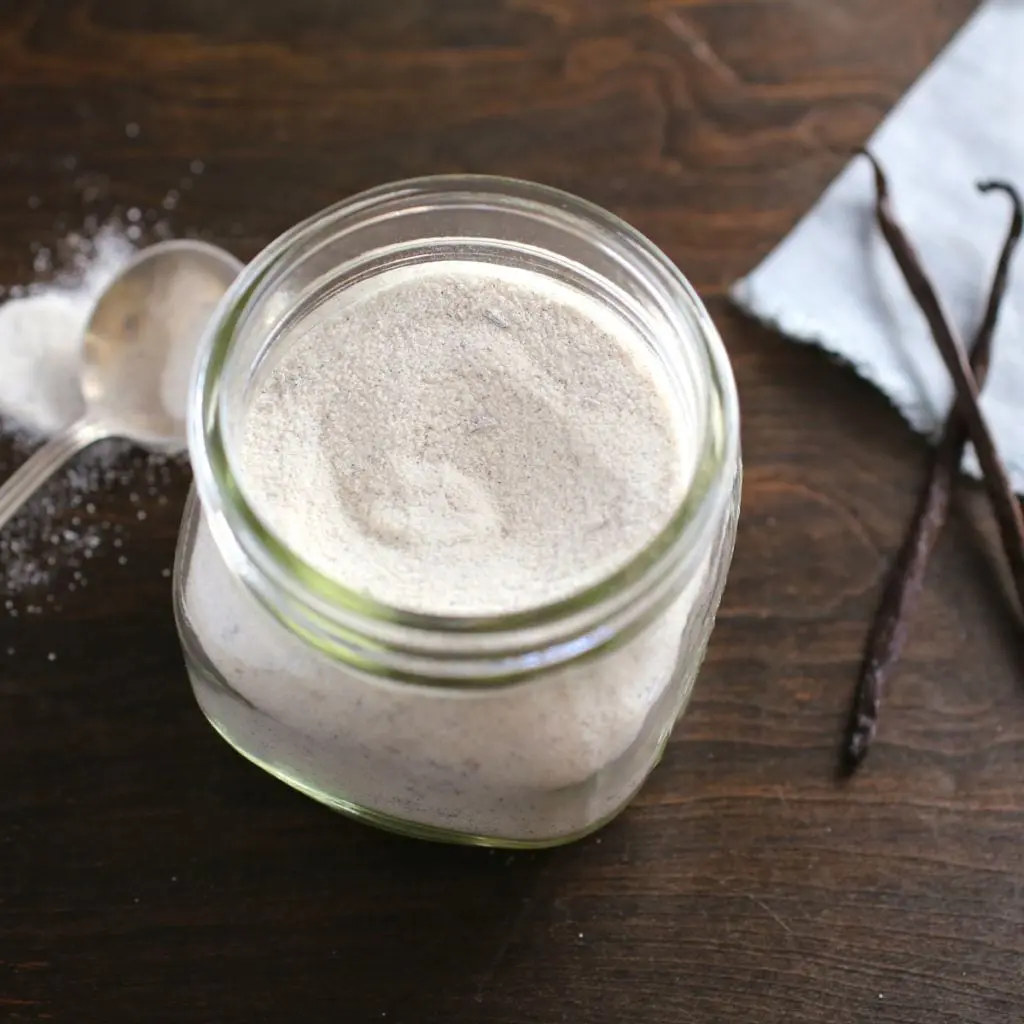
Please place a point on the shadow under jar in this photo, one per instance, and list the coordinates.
(519, 723)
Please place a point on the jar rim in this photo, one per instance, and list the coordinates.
(327, 601)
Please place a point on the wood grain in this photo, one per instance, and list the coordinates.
(148, 874)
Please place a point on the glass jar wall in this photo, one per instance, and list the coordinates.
(523, 729)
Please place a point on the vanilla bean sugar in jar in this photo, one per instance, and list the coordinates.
(467, 478)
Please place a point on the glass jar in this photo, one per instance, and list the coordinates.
(521, 730)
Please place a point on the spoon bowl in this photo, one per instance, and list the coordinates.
(141, 338)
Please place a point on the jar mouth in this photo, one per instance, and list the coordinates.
(322, 608)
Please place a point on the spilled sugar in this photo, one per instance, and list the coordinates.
(47, 549)
(41, 327)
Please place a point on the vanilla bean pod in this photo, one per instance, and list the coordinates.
(1004, 503)
(906, 577)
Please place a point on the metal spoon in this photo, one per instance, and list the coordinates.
(137, 355)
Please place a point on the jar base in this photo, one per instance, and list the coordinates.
(414, 829)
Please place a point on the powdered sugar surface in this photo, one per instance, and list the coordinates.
(41, 336)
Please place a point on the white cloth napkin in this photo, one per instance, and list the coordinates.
(833, 283)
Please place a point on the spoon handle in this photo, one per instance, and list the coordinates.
(41, 465)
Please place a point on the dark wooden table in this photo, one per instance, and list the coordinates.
(148, 875)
